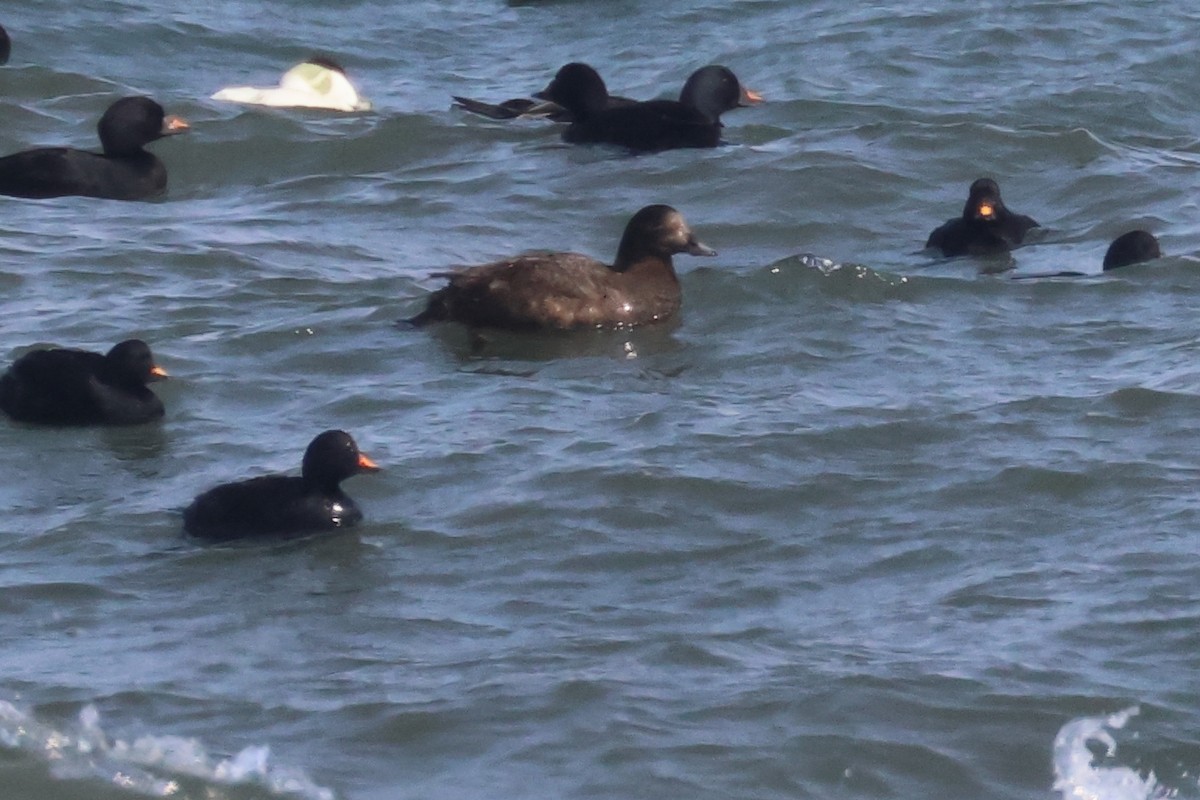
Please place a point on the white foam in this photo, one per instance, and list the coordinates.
(1079, 778)
(150, 765)
(303, 86)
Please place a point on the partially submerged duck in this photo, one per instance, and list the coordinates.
(319, 82)
(1134, 247)
(1131, 248)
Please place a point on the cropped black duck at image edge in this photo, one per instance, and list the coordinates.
(61, 386)
(123, 171)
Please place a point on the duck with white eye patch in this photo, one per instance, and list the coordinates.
(565, 291)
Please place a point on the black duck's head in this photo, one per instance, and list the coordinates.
(332, 457)
(133, 122)
(1131, 248)
(131, 363)
(714, 89)
(983, 201)
(578, 88)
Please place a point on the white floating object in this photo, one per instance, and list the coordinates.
(313, 84)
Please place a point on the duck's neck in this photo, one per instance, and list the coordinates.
(646, 265)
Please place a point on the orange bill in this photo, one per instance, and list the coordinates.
(172, 125)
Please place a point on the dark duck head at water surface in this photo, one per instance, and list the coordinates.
(75, 387)
(281, 505)
(124, 171)
(654, 125)
(5, 46)
(1127, 249)
(561, 291)
(1131, 248)
(986, 225)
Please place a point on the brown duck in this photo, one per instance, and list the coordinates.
(563, 291)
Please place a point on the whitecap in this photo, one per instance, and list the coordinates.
(151, 766)
(1078, 777)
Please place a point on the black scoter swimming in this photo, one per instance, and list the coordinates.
(124, 171)
(5, 46)
(986, 225)
(75, 387)
(654, 125)
(281, 505)
(537, 106)
(561, 291)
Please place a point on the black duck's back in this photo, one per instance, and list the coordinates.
(647, 127)
(52, 386)
(61, 172)
(272, 505)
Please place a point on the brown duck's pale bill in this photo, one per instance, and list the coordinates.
(698, 248)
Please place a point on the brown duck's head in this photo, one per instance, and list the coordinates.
(660, 231)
